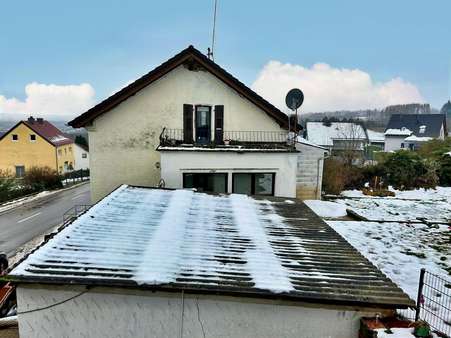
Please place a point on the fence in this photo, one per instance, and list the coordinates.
(75, 176)
(74, 212)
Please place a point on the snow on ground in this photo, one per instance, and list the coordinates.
(400, 249)
(434, 205)
(17, 202)
(326, 209)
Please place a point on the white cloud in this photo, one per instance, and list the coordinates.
(329, 89)
(49, 101)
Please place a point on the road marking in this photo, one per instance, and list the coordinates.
(78, 196)
(29, 217)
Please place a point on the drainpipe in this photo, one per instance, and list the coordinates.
(326, 155)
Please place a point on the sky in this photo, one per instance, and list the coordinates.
(58, 58)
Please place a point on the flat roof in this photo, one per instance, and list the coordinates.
(173, 240)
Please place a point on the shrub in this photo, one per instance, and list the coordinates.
(444, 170)
(334, 179)
(41, 178)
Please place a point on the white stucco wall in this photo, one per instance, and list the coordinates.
(175, 163)
(80, 162)
(309, 173)
(393, 143)
(109, 313)
(123, 141)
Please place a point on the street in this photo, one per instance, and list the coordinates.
(21, 224)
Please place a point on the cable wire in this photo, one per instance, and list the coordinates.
(53, 305)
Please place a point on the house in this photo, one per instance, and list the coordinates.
(337, 137)
(409, 131)
(35, 143)
(376, 139)
(81, 154)
(190, 124)
(147, 262)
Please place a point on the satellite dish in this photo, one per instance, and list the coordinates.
(294, 98)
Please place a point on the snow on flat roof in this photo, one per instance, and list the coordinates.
(375, 136)
(413, 138)
(180, 239)
(398, 132)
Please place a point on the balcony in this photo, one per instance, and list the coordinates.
(229, 140)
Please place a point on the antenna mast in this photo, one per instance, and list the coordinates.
(211, 51)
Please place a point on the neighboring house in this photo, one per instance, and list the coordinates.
(410, 131)
(81, 154)
(190, 124)
(337, 136)
(176, 263)
(35, 143)
(376, 139)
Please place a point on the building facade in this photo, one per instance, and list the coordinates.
(188, 123)
(35, 143)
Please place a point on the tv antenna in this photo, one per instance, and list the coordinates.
(210, 52)
(294, 100)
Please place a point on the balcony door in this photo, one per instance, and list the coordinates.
(203, 124)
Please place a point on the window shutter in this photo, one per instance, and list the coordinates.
(188, 123)
(219, 124)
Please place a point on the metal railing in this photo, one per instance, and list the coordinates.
(434, 302)
(74, 212)
(175, 137)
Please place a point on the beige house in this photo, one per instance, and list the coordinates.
(190, 124)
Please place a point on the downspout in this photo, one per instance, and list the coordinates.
(317, 172)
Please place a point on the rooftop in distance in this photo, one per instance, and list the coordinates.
(174, 240)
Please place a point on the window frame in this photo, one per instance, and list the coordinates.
(15, 135)
(273, 185)
(225, 174)
(23, 172)
(31, 139)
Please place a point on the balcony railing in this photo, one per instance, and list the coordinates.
(254, 139)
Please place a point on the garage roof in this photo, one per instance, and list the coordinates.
(174, 240)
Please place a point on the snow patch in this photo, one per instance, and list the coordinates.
(326, 208)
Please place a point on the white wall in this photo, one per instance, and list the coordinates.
(123, 141)
(80, 162)
(98, 313)
(309, 174)
(393, 143)
(175, 163)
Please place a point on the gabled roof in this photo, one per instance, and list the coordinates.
(44, 129)
(191, 56)
(324, 134)
(414, 122)
(172, 240)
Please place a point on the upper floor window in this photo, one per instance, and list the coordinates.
(203, 124)
(199, 124)
(84, 155)
(70, 149)
(32, 137)
(422, 129)
(15, 137)
(60, 152)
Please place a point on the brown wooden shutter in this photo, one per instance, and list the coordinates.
(219, 124)
(188, 123)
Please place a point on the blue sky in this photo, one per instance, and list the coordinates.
(108, 43)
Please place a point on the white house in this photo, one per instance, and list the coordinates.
(409, 131)
(337, 136)
(81, 154)
(190, 124)
(176, 263)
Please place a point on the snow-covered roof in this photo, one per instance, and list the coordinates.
(302, 140)
(323, 135)
(375, 136)
(398, 132)
(413, 138)
(222, 244)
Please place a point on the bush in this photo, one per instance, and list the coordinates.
(41, 178)
(334, 179)
(444, 170)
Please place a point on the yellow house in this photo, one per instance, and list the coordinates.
(35, 143)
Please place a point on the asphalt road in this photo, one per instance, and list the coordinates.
(23, 223)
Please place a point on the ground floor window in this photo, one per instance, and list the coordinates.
(206, 182)
(253, 183)
(20, 171)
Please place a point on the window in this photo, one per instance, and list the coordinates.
(32, 137)
(203, 124)
(206, 182)
(422, 129)
(15, 137)
(65, 151)
(60, 152)
(20, 171)
(84, 155)
(253, 183)
(402, 145)
(70, 149)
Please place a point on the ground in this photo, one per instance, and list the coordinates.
(412, 232)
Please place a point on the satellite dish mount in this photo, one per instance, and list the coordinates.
(294, 100)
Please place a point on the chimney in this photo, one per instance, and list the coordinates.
(31, 119)
(40, 120)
